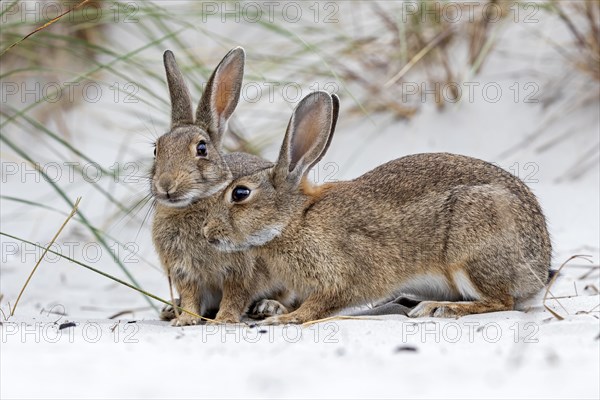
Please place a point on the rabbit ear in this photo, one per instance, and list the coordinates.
(334, 117)
(221, 94)
(181, 102)
(307, 137)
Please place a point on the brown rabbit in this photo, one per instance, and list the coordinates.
(462, 233)
(189, 169)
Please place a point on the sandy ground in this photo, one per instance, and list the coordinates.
(501, 355)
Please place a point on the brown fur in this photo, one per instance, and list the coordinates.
(460, 232)
(314, 192)
(184, 185)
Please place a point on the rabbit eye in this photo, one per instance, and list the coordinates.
(240, 193)
(155, 151)
(201, 149)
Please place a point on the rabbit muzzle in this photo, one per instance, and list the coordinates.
(171, 193)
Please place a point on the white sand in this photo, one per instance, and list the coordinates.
(499, 355)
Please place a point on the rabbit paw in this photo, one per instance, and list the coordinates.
(282, 320)
(168, 312)
(184, 320)
(439, 309)
(267, 308)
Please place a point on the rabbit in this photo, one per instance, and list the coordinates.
(189, 169)
(465, 235)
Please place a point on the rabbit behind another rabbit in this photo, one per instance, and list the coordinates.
(462, 233)
(188, 170)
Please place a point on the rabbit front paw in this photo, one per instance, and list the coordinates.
(185, 319)
(291, 318)
(267, 308)
(168, 312)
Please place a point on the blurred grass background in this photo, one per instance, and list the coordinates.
(109, 42)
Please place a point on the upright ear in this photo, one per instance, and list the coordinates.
(307, 137)
(336, 112)
(181, 102)
(221, 94)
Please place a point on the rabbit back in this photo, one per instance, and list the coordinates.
(435, 216)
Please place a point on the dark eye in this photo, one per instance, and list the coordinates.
(240, 193)
(201, 149)
(154, 151)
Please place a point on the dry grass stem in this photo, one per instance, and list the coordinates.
(551, 283)
(73, 211)
(47, 24)
(171, 293)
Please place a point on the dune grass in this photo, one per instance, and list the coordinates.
(105, 275)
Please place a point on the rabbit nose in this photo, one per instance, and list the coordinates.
(165, 184)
